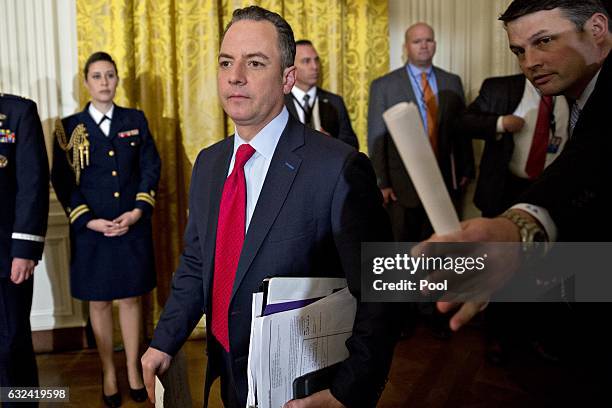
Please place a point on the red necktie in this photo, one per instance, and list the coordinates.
(230, 237)
(539, 144)
(432, 111)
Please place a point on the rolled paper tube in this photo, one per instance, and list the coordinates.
(406, 129)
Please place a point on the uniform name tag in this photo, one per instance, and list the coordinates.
(128, 133)
(7, 136)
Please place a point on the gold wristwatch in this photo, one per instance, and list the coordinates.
(529, 230)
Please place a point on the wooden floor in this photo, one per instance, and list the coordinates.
(426, 372)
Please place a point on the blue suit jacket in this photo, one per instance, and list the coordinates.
(24, 182)
(318, 203)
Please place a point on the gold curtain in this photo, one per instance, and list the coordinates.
(166, 52)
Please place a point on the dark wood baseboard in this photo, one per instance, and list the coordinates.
(55, 340)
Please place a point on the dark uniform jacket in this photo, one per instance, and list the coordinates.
(119, 173)
(24, 182)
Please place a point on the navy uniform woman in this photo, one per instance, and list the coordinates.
(105, 173)
(24, 207)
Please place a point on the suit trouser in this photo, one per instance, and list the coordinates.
(218, 356)
(17, 360)
(408, 224)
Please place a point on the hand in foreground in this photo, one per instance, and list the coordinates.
(154, 362)
(503, 262)
(388, 195)
(323, 399)
(512, 123)
(21, 270)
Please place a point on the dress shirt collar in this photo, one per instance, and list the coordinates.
(416, 71)
(586, 94)
(266, 140)
(299, 94)
(97, 115)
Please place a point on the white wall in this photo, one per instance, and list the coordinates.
(39, 61)
(471, 42)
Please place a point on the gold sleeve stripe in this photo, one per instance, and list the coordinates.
(78, 208)
(77, 213)
(146, 197)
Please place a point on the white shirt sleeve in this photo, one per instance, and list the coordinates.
(541, 214)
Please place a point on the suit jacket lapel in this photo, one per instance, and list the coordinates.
(443, 88)
(406, 88)
(283, 168)
(117, 122)
(212, 192)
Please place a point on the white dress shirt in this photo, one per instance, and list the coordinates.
(97, 116)
(256, 168)
(528, 110)
(313, 102)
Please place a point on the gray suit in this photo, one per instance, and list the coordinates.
(455, 156)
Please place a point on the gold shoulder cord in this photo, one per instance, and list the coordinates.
(78, 143)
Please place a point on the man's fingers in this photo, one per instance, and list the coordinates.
(17, 277)
(465, 313)
(445, 307)
(148, 377)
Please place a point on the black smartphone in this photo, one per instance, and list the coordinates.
(314, 381)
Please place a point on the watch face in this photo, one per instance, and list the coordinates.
(539, 236)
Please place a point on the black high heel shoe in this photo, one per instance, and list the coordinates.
(139, 394)
(111, 401)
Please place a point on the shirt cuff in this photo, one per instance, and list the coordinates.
(541, 214)
(500, 125)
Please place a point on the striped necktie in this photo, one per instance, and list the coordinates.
(574, 115)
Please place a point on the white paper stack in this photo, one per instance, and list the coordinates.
(290, 343)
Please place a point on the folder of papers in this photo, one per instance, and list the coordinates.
(298, 325)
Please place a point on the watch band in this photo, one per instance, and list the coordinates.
(528, 230)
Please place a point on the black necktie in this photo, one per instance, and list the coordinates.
(307, 111)
(103, 119)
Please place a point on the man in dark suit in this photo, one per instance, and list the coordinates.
(508, 114)
(314, 106)
(310, 202)
(439, 96)
(24, 208)
(523, 132)
(563, 48)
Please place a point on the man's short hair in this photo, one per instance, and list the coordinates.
(577, 11)
(286, 41)
(303, 42)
